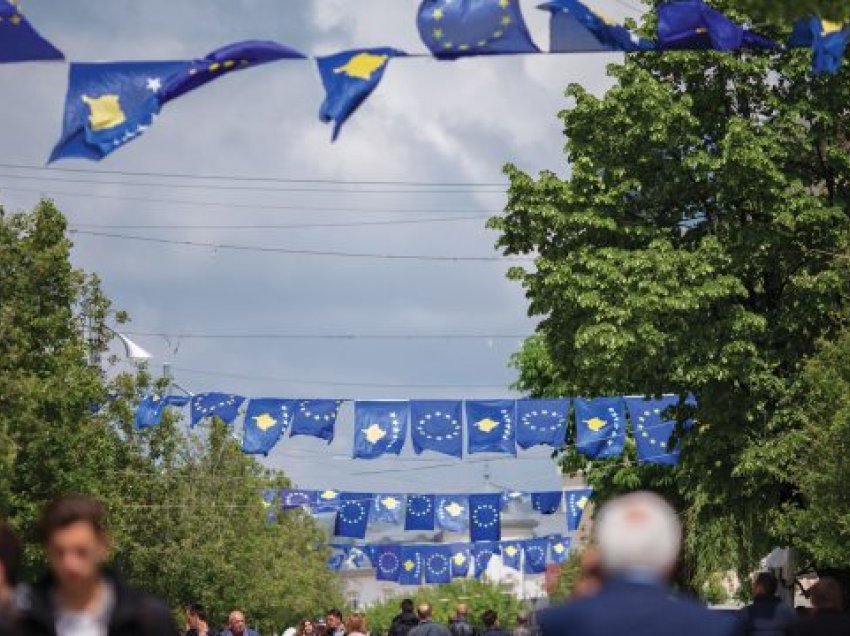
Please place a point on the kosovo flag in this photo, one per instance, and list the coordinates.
(828, 41)
(542, 423)
(461, 559)
(457, 28)
(601, 427)
(511, 554)
(327, 501)
(482, 554)
(575, 28)
(559, 548)
(692, 24)
(19, 41)
(536, 551)
(225, 406)
(437, 564)
(229, 58)
(547, 503)
(291, 499)
(436, 425)
(452, 512)
(485, 517)
(352, 517)
(149, 411)
(410, 572)
(386, 559)
(338, 556)
(491, 426)
(349, 78)
(316, 418)
(388, 509)
(379, 427)
(265, 422)
(270, 496)
(652, 428)
(577, 501)
(357, 557)
(420, 512)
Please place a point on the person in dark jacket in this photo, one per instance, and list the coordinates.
(80, 596)
(490, 619)
(767, 615)
(460, 625)
(404, 621)
(427, 626)
(828, 618)
(198, 621)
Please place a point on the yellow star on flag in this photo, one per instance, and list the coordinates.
(596, 424)
(104, 112)
(374, 434)
(438, 14)
(362, 65)
(487, 425)
(454, 509)
(265, 421)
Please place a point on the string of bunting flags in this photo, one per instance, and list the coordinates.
(447, 427)
(109, 104)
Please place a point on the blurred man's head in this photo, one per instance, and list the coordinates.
(826, 596)
(489, 618)
(72, 531)
(765, 584)
(236, 623)
(407, 606)
(638, 533)
(196, 615)
(10, 562)
(334, 619)
(424, 611)
(522, 618)
(462, 610)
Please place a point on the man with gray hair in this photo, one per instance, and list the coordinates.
(638, 537)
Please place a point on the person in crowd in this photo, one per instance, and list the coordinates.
(490, 620)
(460, 625)
(427, 626)
(590, 574)
(767, 615)
(307, 628)
(198, 621)
(10, 568)
(405, 620)
(355, 625)
(828, 617)
(80, 596)
(237, 625)
(333, 624)
(524, 626)
(638, 537)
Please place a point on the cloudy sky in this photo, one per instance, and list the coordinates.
(429, 122)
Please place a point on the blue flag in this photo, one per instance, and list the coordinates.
(575, 28)
(547, 503)
(452, 512)
(485, 517)
(270, 498)
(149, 411)
(577, 501)
(225, 406)
(437, 425)
(542, 423)
(692, 24)
(291, 499)
(327, 501)
(601, 427)
(491, 426)
(461, 558)
(652, 427)
(19, 41)
(828, 41)
(511, 554)
(338, 556)
(386, 559)
(410, 572)
(349, 78)
(357, 557)
(437, 564)
(420, 512)
(316, 418)
(352, 518)
(388, 509)
(266, 421)
(535, 555)
(457, 28)
(379, 427)
(109, 104)
(482, 553)
(559, 549)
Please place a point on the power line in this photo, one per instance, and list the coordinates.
(302, 252)
(322, 336)
(276, 226)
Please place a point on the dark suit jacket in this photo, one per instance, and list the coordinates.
(825, 624)
(624, 608)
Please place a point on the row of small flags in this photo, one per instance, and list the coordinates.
(109, 104)
(478, 513)
(491, 426)
(440, 563)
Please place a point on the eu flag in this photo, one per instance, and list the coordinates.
(577, 501)
(542, 423)
(482, 553)
(535, 551)
(559, 548)
(386, 559)
(379, 427)
(349, 78)
(265, 422)
(411, 565)
(436, 425)
(575, 28)
(420, 512)
(291, 499)
(652, 427)
(388, 509)
(109, 104)
(229, 58)
(547, 503)
(437, 564)
(491, 426)
(828, 41)
(225, 406)
(457, 28)
(327, 501)
(511, 554)
(461, 559)
(485, 517)
(452, 512)
(601, 427)
(692, 24)
(316, 418)
(149, 411)
(352, 517)
(19, 41)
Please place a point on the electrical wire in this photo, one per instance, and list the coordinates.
(320, 336)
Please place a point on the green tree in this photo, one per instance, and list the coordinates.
(692, 248)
